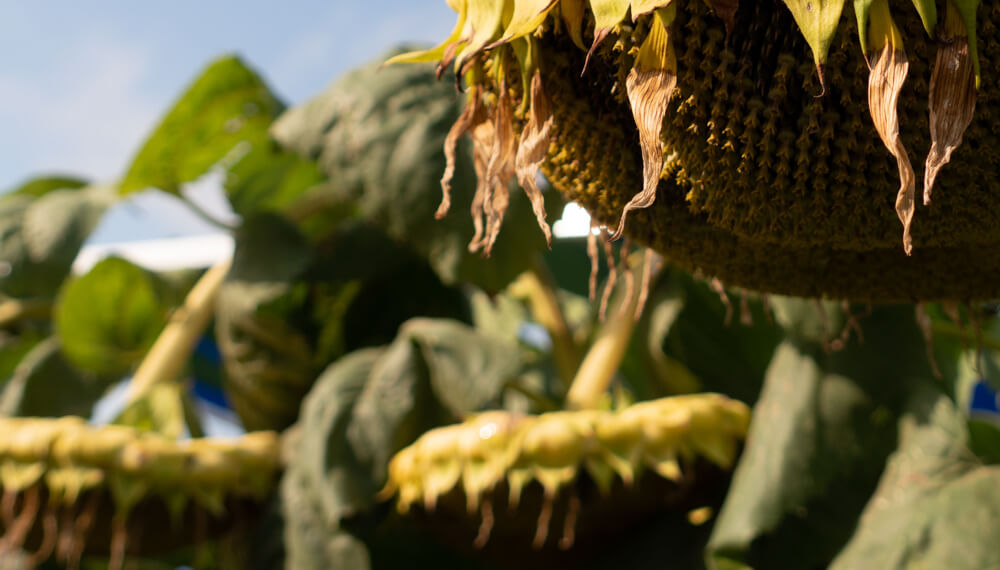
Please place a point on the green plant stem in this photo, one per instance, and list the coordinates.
(538, 287)
(204, 215)
(14, 310)
(172, 349)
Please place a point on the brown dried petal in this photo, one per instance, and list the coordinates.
(888, 73)
(952, 105)
(500, 168)
(531, 151)
(473, 114)
(482, 146)
(595, 260)
(649, 93)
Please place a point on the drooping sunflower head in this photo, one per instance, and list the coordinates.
(791, 147)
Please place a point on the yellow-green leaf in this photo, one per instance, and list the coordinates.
(817, 19)
(526, 17)
(437, 53)
(485, 18)
(608, 13)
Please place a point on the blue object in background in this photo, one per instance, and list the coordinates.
(984, 399)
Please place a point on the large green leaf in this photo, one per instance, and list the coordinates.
(822, 429)
(936, 506)
(227, 105)
(268, 178)
(108, 318)
(378, 134)
(46, 384)
(40, 237)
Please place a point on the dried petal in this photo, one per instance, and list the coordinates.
(888, 73)
(595, 260)
(650, 85)
(472, 115)
(531, 151)
(500, 168)
(482, 145)
(952, 98)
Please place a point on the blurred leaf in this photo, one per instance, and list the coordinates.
(108, 318)
(821, 431)
(267, 178)
(160, 410)
(378, 134)
(42, 185)
(45, 384)
(41, 237)
(13, 349)
(730, 358)
(936, 506)
(984, 439)
(226, 105)
(467, 368)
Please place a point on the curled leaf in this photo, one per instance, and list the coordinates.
(607, 15)
(650, 85)
(952, 98)
(888, 73)
(440, 52)
(472, 115)
(532, 148)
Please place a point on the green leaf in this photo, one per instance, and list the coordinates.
(228, 104)
(822, 429)
(108, 318)
(160, 410)
(936, 506)
(467, 368)
(378, 135)
(267, 178)
(41, 237)
(46, 384)
(42, 185)
(818, 21)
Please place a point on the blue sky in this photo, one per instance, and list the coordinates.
(82, 83)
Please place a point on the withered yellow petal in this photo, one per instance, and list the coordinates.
(952, 98)
(485, 19)
(928, 14)
(437, 53)
(888, 73)
(473, 114)
(649, 85)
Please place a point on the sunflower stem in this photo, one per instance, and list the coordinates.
(170, 353)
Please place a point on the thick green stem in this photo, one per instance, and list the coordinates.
(170, 353)
(539, 288)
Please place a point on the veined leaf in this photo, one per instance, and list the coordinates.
(227, 105)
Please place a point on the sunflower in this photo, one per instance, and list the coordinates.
(790, 147)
